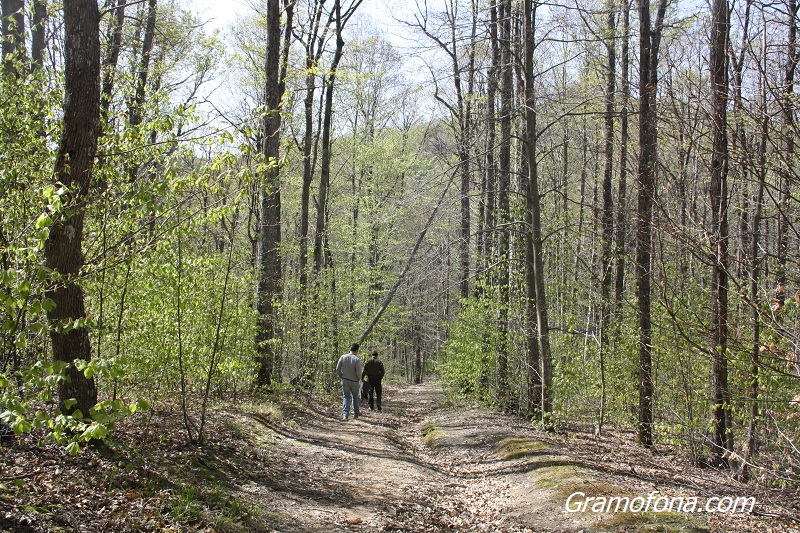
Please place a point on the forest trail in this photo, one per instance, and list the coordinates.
(429, 462)
(424, 465)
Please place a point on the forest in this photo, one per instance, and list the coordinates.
(583, 215)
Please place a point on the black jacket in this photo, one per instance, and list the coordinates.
(374, 371)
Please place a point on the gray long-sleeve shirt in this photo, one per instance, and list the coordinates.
(349, 367)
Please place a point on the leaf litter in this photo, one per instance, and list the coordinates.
(418, 466)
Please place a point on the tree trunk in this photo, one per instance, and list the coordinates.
(135, 109)
(314, 48)
(649, 40)
(622, 218)
(533, 201)
(720, 395)
(491, 171)
(320, 238)
(38, 34)
(112, 56)
(13, 26)
(504, 184)
(607, 219)
(74, 164)
(755, 274)
(269, 268)
(787, 104)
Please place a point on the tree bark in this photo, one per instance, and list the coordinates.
(314, 48)
(754, 265)
(135, 109)
(38, 34)
(649, 41)
(533, 205)
(607, 219)
(622, 219)
(320, 238)
(13, 26)
(504, 184)
(269, 283)
(491, 170)
(786, 172)
(112, 56)
(723, 436)
(74, 164)
(718, 63)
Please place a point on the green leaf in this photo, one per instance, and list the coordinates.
(99, 431)
(95, 431)
(73, 448)
(70, 403)
(43, 221)
(140, 405)
(21, 426)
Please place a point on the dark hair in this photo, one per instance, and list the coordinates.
(374, 353)
(354, 347)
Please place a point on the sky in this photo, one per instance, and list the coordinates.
(221, 13)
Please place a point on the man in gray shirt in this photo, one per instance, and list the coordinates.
(349, 370)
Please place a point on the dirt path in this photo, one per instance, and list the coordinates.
(427, 463)
(424, 465)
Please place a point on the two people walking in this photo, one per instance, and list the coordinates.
(348, 368)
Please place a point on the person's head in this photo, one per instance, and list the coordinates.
(354, 347)
(374, 354)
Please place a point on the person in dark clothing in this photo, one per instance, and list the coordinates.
(374, 371)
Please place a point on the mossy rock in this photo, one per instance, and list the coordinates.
(432, 435)
(515, 447)
(565, 478)
(651, 523)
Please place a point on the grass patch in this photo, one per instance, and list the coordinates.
(268, 410)
(186, 506)
(515, 447)
(215, 506)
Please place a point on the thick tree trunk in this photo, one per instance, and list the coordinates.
(76, 153)
(269, 268)
(649, 40)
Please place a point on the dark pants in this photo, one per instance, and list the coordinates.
(376, 389)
